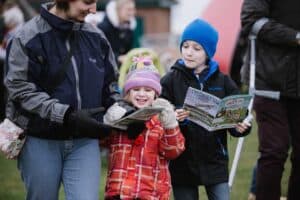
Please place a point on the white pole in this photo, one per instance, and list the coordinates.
(237, 155)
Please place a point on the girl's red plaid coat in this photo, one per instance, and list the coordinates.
(138, 169)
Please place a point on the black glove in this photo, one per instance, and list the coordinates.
(81, 123)
(135, 128)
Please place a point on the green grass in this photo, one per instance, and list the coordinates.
(13, 189)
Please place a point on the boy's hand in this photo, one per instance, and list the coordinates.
(242, 127)
(181, 114)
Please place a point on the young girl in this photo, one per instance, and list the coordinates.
(205, 161)
(138, 164)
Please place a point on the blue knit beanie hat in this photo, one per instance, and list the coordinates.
(203, 33)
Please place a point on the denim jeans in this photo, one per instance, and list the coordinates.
(253, 180)
(189, 192)
(45, 164)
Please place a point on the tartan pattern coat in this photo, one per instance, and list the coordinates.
(138, 168)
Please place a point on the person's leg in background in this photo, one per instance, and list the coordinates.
(81, 170)
(185, 192)
(273, 135)
(252, 191)
(294, 119)
(218, 191)
(40, 165)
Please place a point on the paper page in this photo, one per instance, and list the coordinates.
(142, 114)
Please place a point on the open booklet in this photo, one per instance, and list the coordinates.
(214, 113)
(142, 114)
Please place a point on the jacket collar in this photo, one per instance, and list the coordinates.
(57, 22)
(212, 69)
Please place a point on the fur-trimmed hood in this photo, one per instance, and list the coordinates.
(111, 12)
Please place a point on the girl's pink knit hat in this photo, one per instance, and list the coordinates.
(143, 74)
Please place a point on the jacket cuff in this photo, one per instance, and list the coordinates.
(235, 133)
(298, 38)
(58, 112)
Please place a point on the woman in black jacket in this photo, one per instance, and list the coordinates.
(205, 160)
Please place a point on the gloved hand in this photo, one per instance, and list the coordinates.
(81, 123)
(135, 128)
(128, 106)
(167, 117)
(117, 111)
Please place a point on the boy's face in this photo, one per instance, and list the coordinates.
(193, 54)
(79, 9)
(141, 97)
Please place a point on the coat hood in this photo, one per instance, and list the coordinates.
(112, 15)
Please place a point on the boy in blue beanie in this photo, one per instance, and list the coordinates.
(205, 160)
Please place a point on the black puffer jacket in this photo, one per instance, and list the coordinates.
(205, 160)
(277, 52)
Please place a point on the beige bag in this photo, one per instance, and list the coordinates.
(12, 139)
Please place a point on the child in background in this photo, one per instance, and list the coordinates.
(138, 163)
(205, 160)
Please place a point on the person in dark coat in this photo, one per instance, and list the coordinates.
(205, 160)
(118, 26)
(62, 123)
(277, 69)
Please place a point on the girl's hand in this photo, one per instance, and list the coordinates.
(167, 116)
(242, 127)
(181, 114)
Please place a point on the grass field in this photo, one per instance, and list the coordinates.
(11, 187)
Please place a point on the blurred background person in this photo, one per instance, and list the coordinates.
(12, 19)
(2, 30)
(118, 26)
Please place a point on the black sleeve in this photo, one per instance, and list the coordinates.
(167, 87)
(273, 31)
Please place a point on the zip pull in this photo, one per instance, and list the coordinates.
(201, 86)
(224, 152)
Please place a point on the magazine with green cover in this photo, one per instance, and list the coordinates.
(214, 113)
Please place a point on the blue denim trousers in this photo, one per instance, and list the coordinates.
(45, 164)
(189, 192)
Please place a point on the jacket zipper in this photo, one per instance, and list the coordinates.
(75, 69)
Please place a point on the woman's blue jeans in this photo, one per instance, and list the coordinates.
(189, 192)
(45, 164)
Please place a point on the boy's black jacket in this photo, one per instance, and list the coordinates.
(205, 160)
